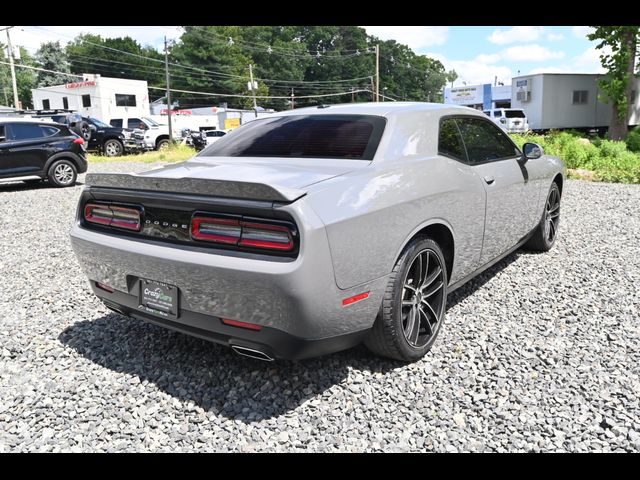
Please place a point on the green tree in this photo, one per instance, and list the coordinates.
(620, 65)
(25, 78)
(51, 56)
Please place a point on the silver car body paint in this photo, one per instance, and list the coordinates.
(354, 217)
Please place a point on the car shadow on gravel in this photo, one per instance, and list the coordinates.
(210, 375)
(21, 186)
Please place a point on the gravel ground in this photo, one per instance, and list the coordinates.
(540, 353)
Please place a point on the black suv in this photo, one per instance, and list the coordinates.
(33, 151)
(102, 137)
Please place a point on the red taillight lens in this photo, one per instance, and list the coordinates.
(236, 323)
(251, 234)
(220, 230)
(79, 141)
(274, 237)
(113, 216)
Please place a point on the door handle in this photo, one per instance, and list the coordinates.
(489, 179)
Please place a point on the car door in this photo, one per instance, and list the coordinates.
(500, 164)
(25, 150)
(5, 157)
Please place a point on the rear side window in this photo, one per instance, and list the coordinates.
(485, 141)
(48, 131)
(304, 136)
(449, 140)
(25, 131)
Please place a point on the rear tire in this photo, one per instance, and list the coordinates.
(62, 173)
(113, 148)
(414, 303)
(546, 232)
(162, 144)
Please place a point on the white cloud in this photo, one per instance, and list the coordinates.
(589, 60)
(415, 37)
(581, 31)
(515, 34)
(31, 37)
(488, 58)
(550, 70)
(555, 37)
(530, 53)
(475, 71)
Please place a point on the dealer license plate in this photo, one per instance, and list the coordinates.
(158, 298)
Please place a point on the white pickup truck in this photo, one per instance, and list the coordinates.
(156, 131)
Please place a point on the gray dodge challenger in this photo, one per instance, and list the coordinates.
(312, 230)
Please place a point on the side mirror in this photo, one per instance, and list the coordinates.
(532, 151)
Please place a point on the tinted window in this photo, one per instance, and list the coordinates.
(514, 113)
(125, 100)
(485, 141)
(46, 104)
(24, 131)
(48, 131)
(306, 136)
(135, 123)
(449, 140)
(65, 103)
(86, 100)
(116, 122)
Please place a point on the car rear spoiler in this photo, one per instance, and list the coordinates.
(200, 186)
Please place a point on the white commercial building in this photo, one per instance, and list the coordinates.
(566, 100)
(95, 96)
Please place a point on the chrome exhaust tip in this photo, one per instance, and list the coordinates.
(252, 353)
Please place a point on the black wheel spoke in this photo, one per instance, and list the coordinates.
(431, 278)
(433, 290)
(427, 323)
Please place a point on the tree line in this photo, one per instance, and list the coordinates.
(287, 61)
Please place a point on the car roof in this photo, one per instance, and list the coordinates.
(383, 109)
(29, 120)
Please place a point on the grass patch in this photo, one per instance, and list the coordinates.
(594, 159)
(172, 154)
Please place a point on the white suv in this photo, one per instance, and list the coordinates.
(512, 120)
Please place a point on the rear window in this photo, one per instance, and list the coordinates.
(304, 136)
(514, 113)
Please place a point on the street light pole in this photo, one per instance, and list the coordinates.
(253, 92)
(377, 73)
(16, 103)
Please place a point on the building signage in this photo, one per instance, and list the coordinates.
(89, 83)
(467, 95)
(164, 111)
(230, 123)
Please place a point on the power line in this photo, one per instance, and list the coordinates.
(261, 96)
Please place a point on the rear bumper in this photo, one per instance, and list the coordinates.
(297, 302)
(273, 342)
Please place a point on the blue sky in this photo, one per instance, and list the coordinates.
(477, 54)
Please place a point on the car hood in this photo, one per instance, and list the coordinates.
(280, 179)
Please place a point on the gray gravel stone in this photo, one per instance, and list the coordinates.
(540, 353)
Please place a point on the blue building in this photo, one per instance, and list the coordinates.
(480, 97)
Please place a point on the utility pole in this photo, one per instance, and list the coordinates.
(253, 92)
(377, 73)
(16, 103)
(166, 71)
(293, 99)
(373, 90)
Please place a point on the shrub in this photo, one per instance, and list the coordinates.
(633, 140)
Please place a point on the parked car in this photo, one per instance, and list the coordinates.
(214, 135)
(33, 151)
(315, 229)
(155, 136)
(512, 120)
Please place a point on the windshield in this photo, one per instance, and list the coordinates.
(152, 122)
(303, 136)
(99, 123)
(514, 114)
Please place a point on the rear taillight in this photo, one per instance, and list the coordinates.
(243, 233)
(113, 216)
(79, 141)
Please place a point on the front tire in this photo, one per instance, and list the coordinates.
(113, 148)
(547, 230)
(162, 144)
(414, 303)
(62, 173)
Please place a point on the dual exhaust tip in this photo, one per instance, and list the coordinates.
(252, 353)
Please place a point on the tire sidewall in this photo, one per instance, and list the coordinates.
(162, 144)
(52, 178)
(117, 142)
(411, 252)
(549, 244)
